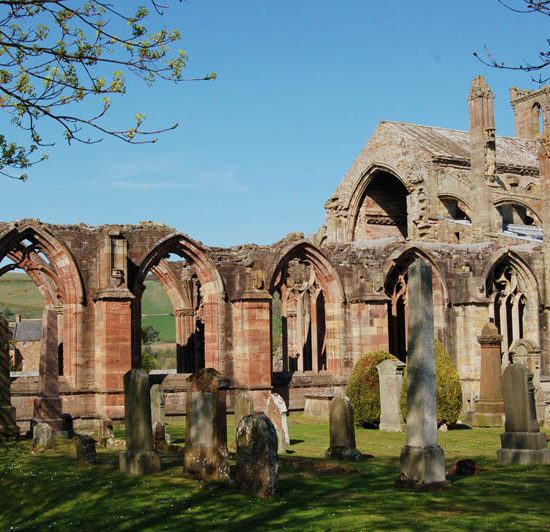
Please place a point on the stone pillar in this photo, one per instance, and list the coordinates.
(47, 406)
(185, 345)
(139, 457)
(390, 376)
(156, 394)
(422, 460)
(8, 427)
(544, 165)
(244, 406)
(206, 455)
(490, 407)
(314, 335)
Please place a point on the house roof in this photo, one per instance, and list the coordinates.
(28, 331)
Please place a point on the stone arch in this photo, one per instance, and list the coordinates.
(187, 313)
(514, 299)
(388, 211)
(537, 119)
(396, 285)
(451, 201)
(58, 279)
(515, 211)
(326, 295)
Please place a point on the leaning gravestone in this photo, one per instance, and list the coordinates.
(8, 426)
(206, 455)
(277, 411)
(139, 457)
(522, 443)
(244, 406)
(42, 437)
(85, 450)
(342, 431)
(256, 457)
(390, 376)
(422, 460)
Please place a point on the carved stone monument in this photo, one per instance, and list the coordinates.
(390, 375)
(157, 403)
(522, 443)
(256, 457)
(47, 406)
(139, 457)
(206, 455)
(490, 407)
(342, 431)
(277, 411)
(8, 427)
(422, 459)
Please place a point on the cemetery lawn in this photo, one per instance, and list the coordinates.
(50, 491)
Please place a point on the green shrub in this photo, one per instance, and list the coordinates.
(448, 388)
(364, 388)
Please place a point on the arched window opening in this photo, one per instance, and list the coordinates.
(509, 303)
(383, 210)
(537, 119)
(172, 323)
(455, 210)
(299, 330)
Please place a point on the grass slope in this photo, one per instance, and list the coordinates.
(51, 492)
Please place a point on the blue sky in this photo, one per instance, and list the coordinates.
(301, 86)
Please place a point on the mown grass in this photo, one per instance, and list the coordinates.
(50, 492)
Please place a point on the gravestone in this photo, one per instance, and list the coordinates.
(256, 457)
(139, 457)
(277, 411)
(42, 437)
(342, 431)
(157, 404)
(490, 407)
(47, 406)
(105, 431)
(244, 406)
(8, 426)
(422, 460)
(161, 438)
(522, 443)
(390, 376)
(85, 450)
(206, 455)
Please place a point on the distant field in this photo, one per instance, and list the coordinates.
(165, 325)
(20, 295)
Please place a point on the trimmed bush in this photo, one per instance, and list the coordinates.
(364, 388)
(448, 388)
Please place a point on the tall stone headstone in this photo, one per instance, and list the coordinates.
(422, 460)
(490, 407)
(277, 411)
(157, 403)
(8, 426)
(522, 443)
(244, 406)
(47, 406)
(206, 454)
(342, 431)
(256, 456)
(139, 457)
(42, 437)
(390, 376)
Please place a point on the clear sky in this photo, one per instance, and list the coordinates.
(301, 86)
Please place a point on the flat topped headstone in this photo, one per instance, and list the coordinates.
(276, 411)
(139, 457)
(342, 431)
(157, 403)
(256, 456)
(390, 376)
(206, 454)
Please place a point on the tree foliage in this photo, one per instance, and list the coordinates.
(541, 7)
(55, 54)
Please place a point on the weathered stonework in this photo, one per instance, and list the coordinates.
(470, 203)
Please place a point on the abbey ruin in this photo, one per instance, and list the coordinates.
(471, 203)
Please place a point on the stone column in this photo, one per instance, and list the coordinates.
(422, 460)
(490, 407)
(390, 376)
(185, 329)
(8, 427)
(47, 406)
(139, 457)
(544, 165)
(314, 335)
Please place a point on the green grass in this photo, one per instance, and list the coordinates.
(165, 325)
(50, 492)
(20, 295)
